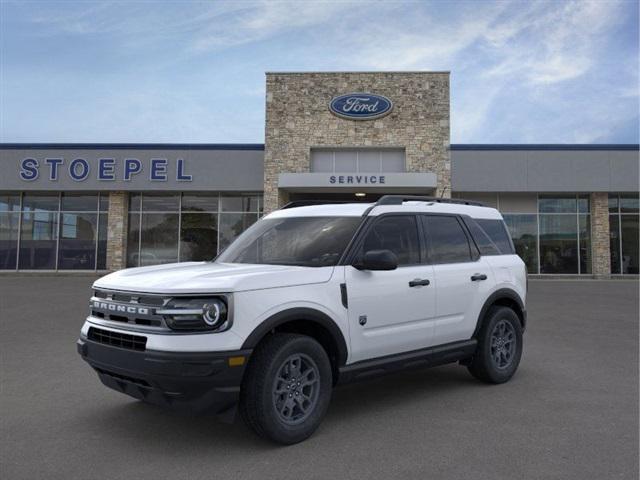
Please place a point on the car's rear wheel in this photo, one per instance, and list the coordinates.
(499, 346)
(287, 388)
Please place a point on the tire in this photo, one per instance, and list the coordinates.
(499, 346)
(274, 401)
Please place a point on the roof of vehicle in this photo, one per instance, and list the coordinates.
(374, 209)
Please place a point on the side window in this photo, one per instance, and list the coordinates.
(446, 239)
(396, 233)
(497, 232)
(484, 243)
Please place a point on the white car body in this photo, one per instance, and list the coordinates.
(398, 319)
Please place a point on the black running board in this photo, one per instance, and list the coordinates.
(426, 357)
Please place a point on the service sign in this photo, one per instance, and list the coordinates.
(360, 106)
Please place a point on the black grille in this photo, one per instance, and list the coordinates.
(116, 339)
(117, 376)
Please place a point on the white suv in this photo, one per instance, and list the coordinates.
(310, 297)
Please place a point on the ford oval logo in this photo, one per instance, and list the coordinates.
(360, 106)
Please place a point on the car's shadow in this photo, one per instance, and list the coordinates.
(154, 426)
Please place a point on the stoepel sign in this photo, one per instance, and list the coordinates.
(360, 106)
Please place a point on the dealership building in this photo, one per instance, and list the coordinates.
(334, 136)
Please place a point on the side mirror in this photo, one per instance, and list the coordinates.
(377, 260)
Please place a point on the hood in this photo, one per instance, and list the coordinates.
(208, 277)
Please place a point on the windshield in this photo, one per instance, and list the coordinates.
(302, 241)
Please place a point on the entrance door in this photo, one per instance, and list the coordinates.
(391, 311)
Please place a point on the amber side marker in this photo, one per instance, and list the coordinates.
(236, 361)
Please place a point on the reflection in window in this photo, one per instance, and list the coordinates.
(159, 238)
(9, 222)
(232, 225)
(447, 241)
(398, 234)
(78, 234)
(623, 233)
(38, 238)
(558, 244)
(198, 236)
(524, 233)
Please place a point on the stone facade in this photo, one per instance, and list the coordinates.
(298, 119)
(600, 247)
(117, 230)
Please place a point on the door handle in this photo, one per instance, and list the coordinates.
(418, 282)
(478, 276)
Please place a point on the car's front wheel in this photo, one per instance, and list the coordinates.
(287, 388)
(499, 346)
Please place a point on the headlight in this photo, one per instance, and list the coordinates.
(196, 314)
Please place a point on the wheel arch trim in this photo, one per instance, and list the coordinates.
(300, 314)
(502, 294)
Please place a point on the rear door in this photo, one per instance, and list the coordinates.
(462, 277)
(391, 311)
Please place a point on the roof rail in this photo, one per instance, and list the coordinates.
(399, 199)
(307, 203)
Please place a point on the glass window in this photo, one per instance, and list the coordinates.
(103, 229)
(152, 202)
(40, 201)
(200, 202)
(524, 232)
(585, 243)
(159, 238)
(482, 240)
(613, 203)
(232, 225)
(198, 236)
(558, 244)
(498, 233)
(104, 202)
(79, 202)
(135, 202)
(398, 234)
(239, 203)
(9, 222)
(9, 202)
(557, 204)
(447, 241)
(38, 240)
(304, 241)
(630, 245)
(628, 204)
(77, 246)
(583, 204)
(133, 240)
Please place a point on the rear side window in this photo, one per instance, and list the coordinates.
(398, 234)
(447, 241)
(484, 243)
(497, 232)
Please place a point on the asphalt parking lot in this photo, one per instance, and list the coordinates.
(571, 411)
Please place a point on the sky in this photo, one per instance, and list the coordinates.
(193, 72)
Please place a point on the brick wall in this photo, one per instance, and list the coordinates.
(117, 230)
(298, 119)
(600, 249)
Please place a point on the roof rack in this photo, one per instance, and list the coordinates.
(399, 199)
(307, 203)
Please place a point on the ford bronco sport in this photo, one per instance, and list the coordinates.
(309, 297)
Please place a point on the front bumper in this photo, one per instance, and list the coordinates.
(189, 382)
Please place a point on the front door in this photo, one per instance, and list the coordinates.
(391, 311)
